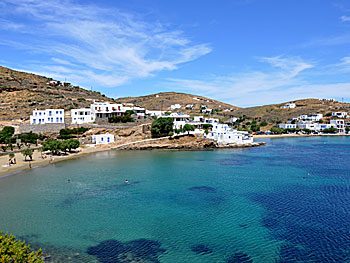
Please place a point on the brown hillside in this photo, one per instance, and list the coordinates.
(22, 92)
(272, 113)
(163, 101)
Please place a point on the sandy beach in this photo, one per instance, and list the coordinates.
(21, 164)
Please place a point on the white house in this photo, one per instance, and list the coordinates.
(287, 125)
(175, 107)
(155, 113)
(47, 116)
(189, 107)
(289, 106)
(339, 114)
(179, 119)
(106, 109)
(80, 116)
(103, 138)
(223, 134)
(312, 117)
(339, 124)
(140, 112)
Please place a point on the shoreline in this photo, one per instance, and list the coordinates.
(39, 162)
(295, 135)
(22, 166)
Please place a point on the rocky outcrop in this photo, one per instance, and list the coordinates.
(188, 142)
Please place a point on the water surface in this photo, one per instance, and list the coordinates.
(240, 205)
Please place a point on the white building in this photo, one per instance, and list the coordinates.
(339, 114)
(312, 117)
(223, 134)
(47, 116)
(155, 113)
(179, 119)
(189, 107)
(289, 106)
(175, 107)
(80, 116)
(287, 125)
(106, 109)
(103, 138)
(339, 124)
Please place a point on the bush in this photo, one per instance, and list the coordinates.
(207, 126)
(330, 130)
(29, 137)
(161, 127)
(188, 128)
(6, 134)
(12, 250)
(277, 130)
(52, 145)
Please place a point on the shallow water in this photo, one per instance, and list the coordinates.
(241, 205)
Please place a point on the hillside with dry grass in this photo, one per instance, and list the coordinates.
(163, 101)
(22, 92)
(274, 113)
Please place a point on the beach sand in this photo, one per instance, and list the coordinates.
(39, 161)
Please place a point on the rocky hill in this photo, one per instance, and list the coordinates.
(22, 92)
(163, 101)
(274, 113)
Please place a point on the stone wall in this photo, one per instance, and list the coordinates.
(40, 128)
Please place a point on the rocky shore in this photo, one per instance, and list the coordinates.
(189, 142)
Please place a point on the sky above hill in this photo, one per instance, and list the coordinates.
(244, 52)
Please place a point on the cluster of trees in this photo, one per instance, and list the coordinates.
(55, 146)
(330, 130)
(7, 137)
(69, 133)
(122, 119)
(12, 250)
(162, 127)
(185, 128)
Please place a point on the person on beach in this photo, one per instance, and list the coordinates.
(68, 181)
(30, 164)
(126, 181)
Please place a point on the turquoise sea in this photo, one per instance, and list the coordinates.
(239, 205)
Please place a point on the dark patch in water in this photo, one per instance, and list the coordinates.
(201, 249)
(239, 258)
(244, 226)
(205, 189)
(313, 221)
(237, 160)
(141, 250)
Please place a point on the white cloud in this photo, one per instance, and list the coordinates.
(109, 46)
(345, 18)
(286, 81)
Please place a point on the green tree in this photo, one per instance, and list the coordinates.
(161, 127)
(277, 130)
(73, 144)
(27, 152)
(15, 251)
(52, 145)
(307, 131)
(330, 130)
(187, 128)
(263, 123)
(64, 145)
(347, 129)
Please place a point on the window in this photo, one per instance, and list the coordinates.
(56, 119)
(57, 112)
(34, 121)
(61, 119)
(39, 113)
(50, 113)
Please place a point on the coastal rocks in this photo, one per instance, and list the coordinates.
(141, 250)
(201, 249)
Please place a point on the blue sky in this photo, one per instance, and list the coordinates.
(244, 52)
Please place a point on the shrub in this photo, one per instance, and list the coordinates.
(207, 126)
(162, 127)
(12, 250)
(330, 130)
(188, 128)
(52, 145)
